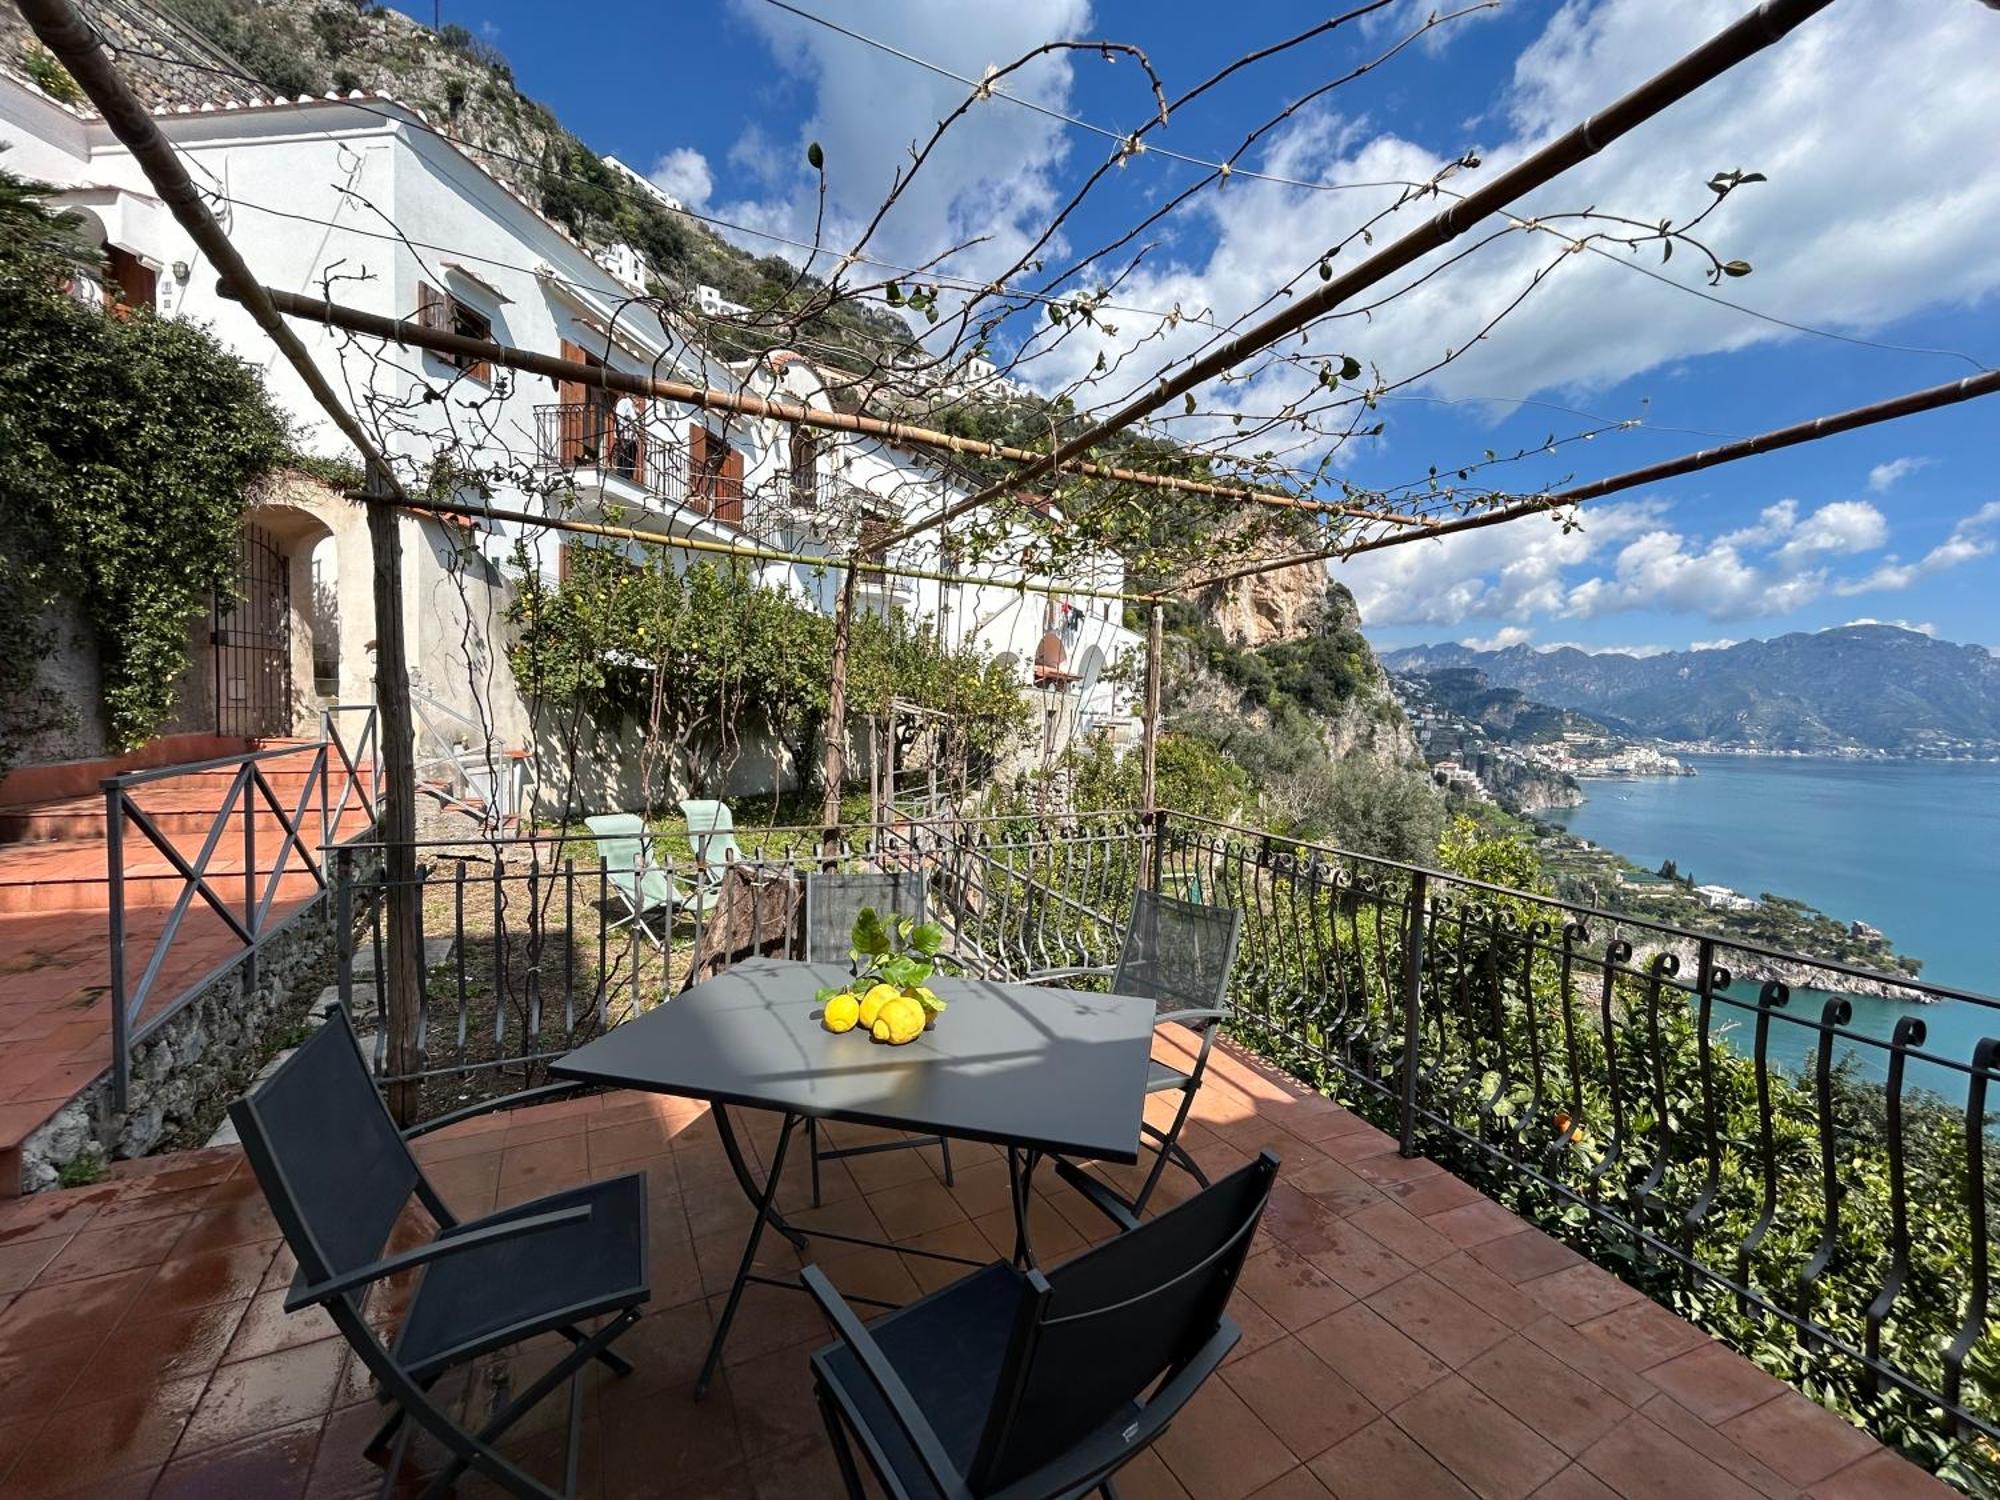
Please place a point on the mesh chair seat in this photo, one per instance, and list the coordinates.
(1009, 1383)
(1178, 954)
(1160, 1076)
(339, 1177)
(480, 1299)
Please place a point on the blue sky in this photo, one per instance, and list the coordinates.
(1877, 224)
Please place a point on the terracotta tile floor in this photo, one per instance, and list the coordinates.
(1402, 1337)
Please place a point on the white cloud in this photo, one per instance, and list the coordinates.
(1508, 573)
(1773, 524)
(991, 178)
(1663, 570)
(1632, 557)
(1971, 539)
(1720, 643)
(683, 173)
(1869, 214)
(1500, 640)
(1924, 627)
(1843, 528)
(1883, 476)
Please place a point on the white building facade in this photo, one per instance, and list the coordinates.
(358, 200)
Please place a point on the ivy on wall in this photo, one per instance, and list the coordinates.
(127, 444)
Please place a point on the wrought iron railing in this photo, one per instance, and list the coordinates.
(582, 435)
(537, 950)
(335, 775)
(1700, 1112)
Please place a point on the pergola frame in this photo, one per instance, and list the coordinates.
(77, 45)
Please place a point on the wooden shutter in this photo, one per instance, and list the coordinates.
(701, 479)
(570, 412)
(729, 487)
(638, 439)
(433, 309)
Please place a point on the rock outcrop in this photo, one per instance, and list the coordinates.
(1285, 604)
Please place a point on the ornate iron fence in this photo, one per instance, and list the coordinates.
(1701, 1113)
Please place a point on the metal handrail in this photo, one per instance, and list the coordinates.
(250, 923)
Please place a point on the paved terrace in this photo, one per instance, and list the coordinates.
(1403, 1336)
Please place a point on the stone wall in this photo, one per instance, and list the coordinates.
(197, 1058)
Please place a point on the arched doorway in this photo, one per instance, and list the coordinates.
(277, 641)
(251, 642)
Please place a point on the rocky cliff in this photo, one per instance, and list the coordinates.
(1282, 605)
(1283, 651)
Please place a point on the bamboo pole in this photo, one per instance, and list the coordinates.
(1150, 726)
(707, 398)
(74, 42)
(834, 768)
(1930, 398)
(1748, 35)
(403, 936)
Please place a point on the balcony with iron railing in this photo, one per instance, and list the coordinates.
(1542, 1166)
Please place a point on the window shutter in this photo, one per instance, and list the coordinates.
(638, 440)
(569, 412)
(432, 311)
(701, 482)
(729, 490)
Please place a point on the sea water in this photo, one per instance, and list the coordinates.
(1910, 847)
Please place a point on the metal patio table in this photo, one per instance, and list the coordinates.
(1037, 1070)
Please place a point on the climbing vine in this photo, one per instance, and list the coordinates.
(127, 443)
(695, 653)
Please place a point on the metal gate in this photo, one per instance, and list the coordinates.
(252, 638)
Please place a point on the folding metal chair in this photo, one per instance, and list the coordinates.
(712, 830)
(1177, 954)
(642, 883)
(833, 900)
(1008, 1383)
(338, 1176)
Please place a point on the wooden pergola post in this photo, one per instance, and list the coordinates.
(834, 767)
(1149, 729)
(397, 816)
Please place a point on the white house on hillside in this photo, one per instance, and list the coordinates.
(357, 199)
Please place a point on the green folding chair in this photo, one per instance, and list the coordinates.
(712, 830)
(644, 885)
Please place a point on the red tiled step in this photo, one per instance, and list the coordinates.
(71, 876)
(181, 803)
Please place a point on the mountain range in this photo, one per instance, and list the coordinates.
(1856, 687)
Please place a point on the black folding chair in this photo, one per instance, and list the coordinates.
(1012, 1384)
(833, 900)
(1177, 954)
(338, 1176)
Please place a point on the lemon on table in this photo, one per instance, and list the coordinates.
(900, 1020)
(842, 1011)
(874, 1000)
